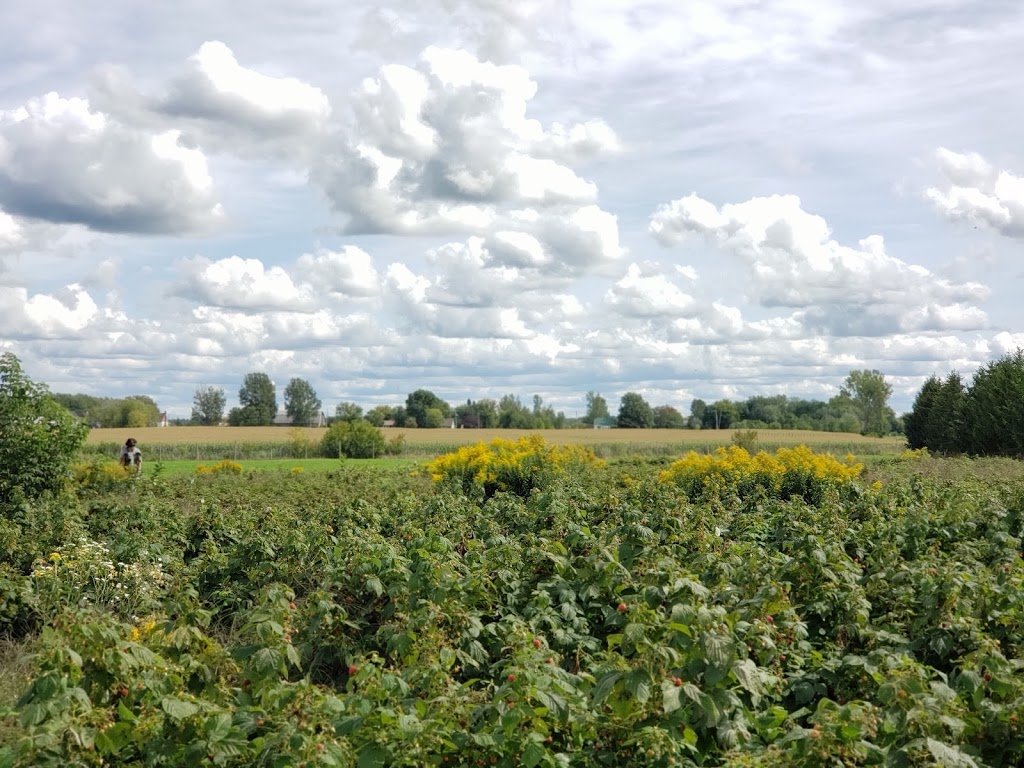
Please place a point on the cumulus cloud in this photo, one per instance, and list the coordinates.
(447, 147)
(348, 272)
(240, 283)
(62, 162)
(646, 291)
(64, 314)
(224, 106)
(792, 261)
(976, 192)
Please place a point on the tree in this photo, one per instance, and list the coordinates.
(769, 412)
(698, 409)
(417, 403)
(721, 414)
(667, 417)
(993, 417)
(351, 412)
(353, 439)
(512, 414)
(208, 406)
(946, 421)
(39, 438)
(917, 423)
(301, 402)
(869, 394)
(634, 412)
(258, 400)
(597, 408)
(433, 418)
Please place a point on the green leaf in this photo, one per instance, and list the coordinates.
(605, 686)
(634, 633)
(178, 709)
(747, 676)
(374, 585)
(670, 696)
(533, 753)
(638, 683)
(718, 649)
(33, 714)
(371, 756)
(948, 756)
(217, 727)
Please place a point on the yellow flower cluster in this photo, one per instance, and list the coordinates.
(914, 454)
(226, 467)
(505, 465)
(790, 473)
(101, 475)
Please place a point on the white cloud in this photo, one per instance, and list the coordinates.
(65, 314)
(62, 162)
(239, 283)
(976, 192)
(224, 106)
(645, 291)
(448, 147)
(792, 261)
(348, 272)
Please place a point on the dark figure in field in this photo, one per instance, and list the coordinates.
(131, 456)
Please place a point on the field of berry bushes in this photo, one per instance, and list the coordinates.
(520, 604)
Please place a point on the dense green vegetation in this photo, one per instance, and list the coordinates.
(984, 418)
(111, 412)
(38, 438)
(610, 617)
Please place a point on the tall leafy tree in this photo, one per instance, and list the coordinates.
(597, 407)
(38, 437)
(419, 402)
(868, 392)
(301, 402)
(208, 405)
(351, 412)
(721, 414)
(667, 417)
(258, 399)
(634, 412)
(512, 414)
(698, 408)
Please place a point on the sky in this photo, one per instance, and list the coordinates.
(710, 199)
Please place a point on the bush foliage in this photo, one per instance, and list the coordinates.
(38, 437)
(790, 473)
(518, 466)
(602, 618)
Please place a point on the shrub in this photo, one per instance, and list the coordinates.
(745, 439)
(515, 466)
(38, 437)
(353, 440)
(791, 473)
(101, 475)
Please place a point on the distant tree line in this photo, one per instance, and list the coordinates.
(984, 418)
(112, 412)
(861, 406)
